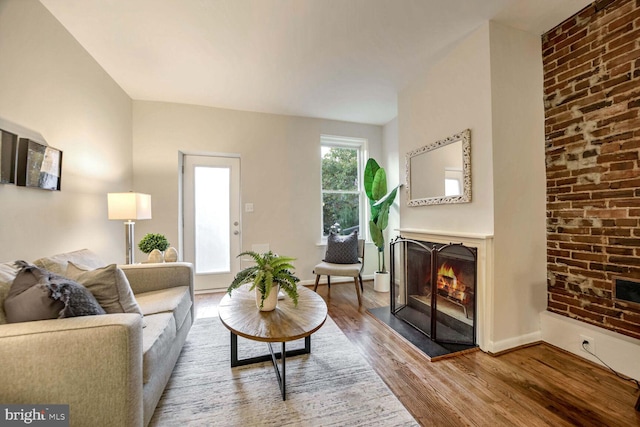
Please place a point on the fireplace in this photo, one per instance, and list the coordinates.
(434, 289)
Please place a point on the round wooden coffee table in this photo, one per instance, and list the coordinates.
(240, 315)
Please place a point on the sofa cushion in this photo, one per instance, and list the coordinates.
(342, 249)
(28, 298)
(157, 339)
(172, 300)
(109, 285)
(58, 263)
(8, 272)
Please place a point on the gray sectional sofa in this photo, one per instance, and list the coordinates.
(111, 369)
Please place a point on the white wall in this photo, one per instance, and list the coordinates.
(519, 180)
(395, 176)
(280, 171)
(50, 85)
(455, 94)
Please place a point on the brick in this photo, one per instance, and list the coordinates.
(619, 251)
(617, 157)
(631, 317)
(628, 57)
(624, 241)
(624, 19)
(604, 310)
(576, 204)
(557, 306)
(627, 222)
(610, 194)
(621, 88)
(588, 257)
(624, 325)
(622, 166)
(587, 273)
(586, 314)
(625, 260)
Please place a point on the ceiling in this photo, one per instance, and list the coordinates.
(335, 59)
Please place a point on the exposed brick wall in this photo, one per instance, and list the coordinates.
(592, 127)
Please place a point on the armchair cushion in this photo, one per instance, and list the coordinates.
(342, 249)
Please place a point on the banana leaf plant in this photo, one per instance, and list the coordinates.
(380, 201)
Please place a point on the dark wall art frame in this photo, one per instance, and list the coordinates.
(8, 153)
(38, 165)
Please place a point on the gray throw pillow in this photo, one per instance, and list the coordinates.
(109, 285)
(28, 298)
(77, 300)
(342, 249)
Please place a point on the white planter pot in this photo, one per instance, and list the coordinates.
(270, 302)
(381, 282)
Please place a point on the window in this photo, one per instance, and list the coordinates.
(342, 195)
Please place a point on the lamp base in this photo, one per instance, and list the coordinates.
(128, 241)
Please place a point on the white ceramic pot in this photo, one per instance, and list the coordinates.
(270, 302)
(381, 281)
(156, 256)
(171, 255)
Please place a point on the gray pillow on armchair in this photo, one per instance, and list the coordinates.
(342, 249)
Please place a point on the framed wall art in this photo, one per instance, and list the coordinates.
(38, 165)
(8, 151)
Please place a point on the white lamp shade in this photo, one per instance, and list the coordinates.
(129, 206)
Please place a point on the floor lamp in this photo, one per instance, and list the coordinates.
(129, 207)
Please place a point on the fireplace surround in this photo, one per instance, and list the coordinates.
(434, 289)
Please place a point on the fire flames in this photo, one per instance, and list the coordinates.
(450, 286)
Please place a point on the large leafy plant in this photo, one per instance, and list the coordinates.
(380, 201)
(270, 270)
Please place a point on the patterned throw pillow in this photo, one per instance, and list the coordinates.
(342, 249)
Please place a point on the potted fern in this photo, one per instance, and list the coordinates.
(269, 273)
(380, 201)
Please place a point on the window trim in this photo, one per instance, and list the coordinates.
(361, 144)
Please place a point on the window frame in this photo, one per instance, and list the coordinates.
(360, 144)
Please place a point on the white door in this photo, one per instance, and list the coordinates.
(211, 189)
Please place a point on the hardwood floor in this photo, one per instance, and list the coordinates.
(534, 386)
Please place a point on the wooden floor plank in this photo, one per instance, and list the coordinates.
(533, 386)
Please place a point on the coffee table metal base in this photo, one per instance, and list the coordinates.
(281, 374)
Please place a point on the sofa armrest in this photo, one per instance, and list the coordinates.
(92, 363)
(153, 277)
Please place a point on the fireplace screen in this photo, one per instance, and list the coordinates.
(434, 289)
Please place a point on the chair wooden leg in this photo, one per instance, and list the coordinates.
(355, 281)
(360, 278)
(329, 281)
(315, 288)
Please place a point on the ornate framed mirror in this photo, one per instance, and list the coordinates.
(440, 173)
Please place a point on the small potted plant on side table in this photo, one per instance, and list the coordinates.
(154, 245)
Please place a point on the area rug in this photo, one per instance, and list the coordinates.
(332, 386)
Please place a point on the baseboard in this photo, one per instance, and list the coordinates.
(334, 279)
(499, 347)
(616, 350)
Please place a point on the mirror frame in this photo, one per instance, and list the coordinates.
(465, 197)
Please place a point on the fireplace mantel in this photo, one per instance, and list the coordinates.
(484, 244)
